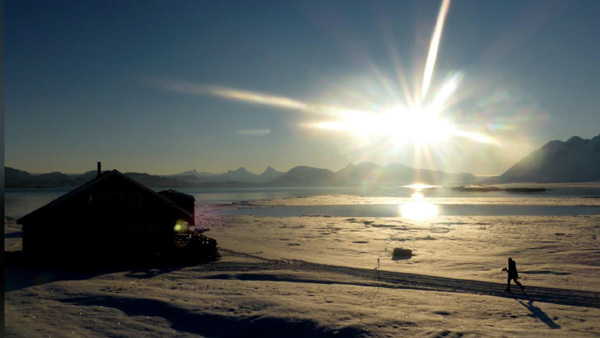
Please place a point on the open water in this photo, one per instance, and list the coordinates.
(19, 202)
(391, 210)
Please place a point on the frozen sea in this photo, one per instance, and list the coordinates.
(332, 274)
(19, 202)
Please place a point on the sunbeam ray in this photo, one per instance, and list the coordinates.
(384, 111)
(433, 48)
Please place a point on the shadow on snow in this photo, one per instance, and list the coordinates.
(213, 325)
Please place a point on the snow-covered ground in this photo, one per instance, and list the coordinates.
(320, 276)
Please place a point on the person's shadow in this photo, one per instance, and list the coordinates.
(538, 313)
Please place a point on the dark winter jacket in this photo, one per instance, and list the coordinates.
(512, 269)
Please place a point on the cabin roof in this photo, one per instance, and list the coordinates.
(96, 181)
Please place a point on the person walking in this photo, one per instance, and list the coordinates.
(512, 274)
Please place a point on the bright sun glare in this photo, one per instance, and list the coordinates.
(398, 124)
(418, 208)
(418, 123)
(422, 118)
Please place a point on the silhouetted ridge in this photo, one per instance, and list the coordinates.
(352, 175)
(576, 160)
(306, 176)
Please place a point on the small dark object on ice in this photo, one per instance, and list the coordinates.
(402, 253)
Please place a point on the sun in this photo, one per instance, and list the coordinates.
(421, 117)
(419, 122)
(419, 126)
(399, 124)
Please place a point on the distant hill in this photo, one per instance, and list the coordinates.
(14, 178)
(368, 173)
(269, 174)
(352, 175)
(155, 181)
(239, 175)
(192, 176)
(401, 174)
(194, 172)
(306, 176)
(576, 160)
(362, 172)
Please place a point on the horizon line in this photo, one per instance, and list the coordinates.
(251, 172)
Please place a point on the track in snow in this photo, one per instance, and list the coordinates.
(401, 280)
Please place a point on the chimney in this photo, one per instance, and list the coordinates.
(99, 169)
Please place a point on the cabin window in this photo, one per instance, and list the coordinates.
(135, 200)
(94, 200)
(153, 233)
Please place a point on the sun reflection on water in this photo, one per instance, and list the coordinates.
(418, 208)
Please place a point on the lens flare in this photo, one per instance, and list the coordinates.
(433, 47)
(392, 117)
(181, 226)
(251, 97)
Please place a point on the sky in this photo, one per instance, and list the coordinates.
(169, 86)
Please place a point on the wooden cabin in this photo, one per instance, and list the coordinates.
(184, 201)
(112, 216)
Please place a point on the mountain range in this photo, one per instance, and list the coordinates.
(14, 178)
(370, 174)
(239, 175)
(576, 160)
(352, 175)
